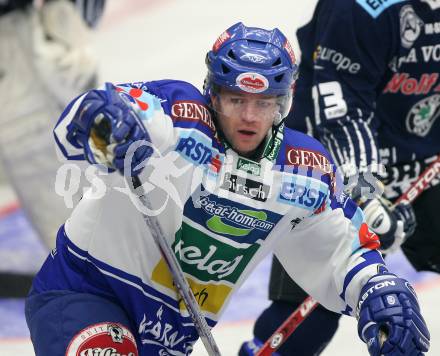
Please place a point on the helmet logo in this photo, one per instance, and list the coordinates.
(252, 82)
(220, 40)
(254, 57)
(289, 49)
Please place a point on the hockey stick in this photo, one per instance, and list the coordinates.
(309, 304)
(178, 277)
(288, 327)
(421, 183)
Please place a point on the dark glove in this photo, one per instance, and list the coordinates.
(389, 318)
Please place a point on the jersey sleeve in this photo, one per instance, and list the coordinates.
(348, 48)
(330, 253)
(158, 104)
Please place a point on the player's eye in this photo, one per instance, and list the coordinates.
(264, 104)
(236, 100)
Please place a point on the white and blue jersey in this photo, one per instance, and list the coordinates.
(220, 212)
(369, 81)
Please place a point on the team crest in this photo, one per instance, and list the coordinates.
(410, 26)
(422, 115)
(103, 339)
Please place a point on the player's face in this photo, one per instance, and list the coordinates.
(245, 118)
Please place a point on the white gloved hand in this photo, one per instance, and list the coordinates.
(61, 46)
(393, 226)
(381, 220)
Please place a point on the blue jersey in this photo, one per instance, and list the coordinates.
(369, 84)
(221, 213)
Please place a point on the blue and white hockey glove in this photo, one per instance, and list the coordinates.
(105, 125)
(389, 319)
(392, 226)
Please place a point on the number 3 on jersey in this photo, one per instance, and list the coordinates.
(332, 97)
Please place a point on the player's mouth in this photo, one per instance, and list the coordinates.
(247, 133)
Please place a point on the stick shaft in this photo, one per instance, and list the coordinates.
(421, 183)
(179, 279)
(288, 327)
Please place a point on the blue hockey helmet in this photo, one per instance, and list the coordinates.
(253, 60)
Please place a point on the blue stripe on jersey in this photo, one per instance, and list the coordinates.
(349, 208)
(371, 257)
(104, 275)
(112, 272)
(347, 310)
(376, 7)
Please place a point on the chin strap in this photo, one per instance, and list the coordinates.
(273, 141)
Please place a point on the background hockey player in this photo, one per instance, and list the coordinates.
(240, 192)
(370, 70)
(45, 60)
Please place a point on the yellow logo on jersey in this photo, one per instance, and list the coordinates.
(210, 297)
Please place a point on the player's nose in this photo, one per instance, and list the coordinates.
(249, 112)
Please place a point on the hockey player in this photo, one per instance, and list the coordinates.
(243, 186)
(369, 89)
